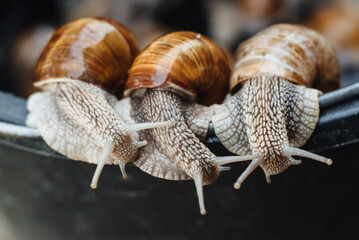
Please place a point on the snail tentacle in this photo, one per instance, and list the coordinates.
(199, 188)
(232, 159)
(253, 165)
(274, 110)
(268, 178)
(185, 156)
(294, 161)
(101, 163)
(59, 129)
(140, 144)
(78, 121)
(153, 152)
(81, 72)
(224, 168)
(142, 126)
(291, 151)
(122, 169)
(169, 74)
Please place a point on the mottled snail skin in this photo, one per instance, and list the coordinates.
(85, 62)
(275, 111)
(163, 81)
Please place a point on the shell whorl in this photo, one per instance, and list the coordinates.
(95, 50)
(292, 52)
(185, 62)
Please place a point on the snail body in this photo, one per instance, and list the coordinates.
(274, 108)
(163, 81)
(81, 72)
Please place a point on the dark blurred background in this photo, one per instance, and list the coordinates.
(40, 200)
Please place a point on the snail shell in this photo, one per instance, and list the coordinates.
(187, 63)
(292, 52)
(274, 110)
(163, 80)
(97, 51)
(84, 62)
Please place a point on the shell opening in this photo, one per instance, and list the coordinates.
(140, 92)
(48, 84)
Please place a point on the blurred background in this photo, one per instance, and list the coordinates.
(27, 25)
(305, 202)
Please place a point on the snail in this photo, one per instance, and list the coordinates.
(165, 81)
(81, 71)
(277, 78)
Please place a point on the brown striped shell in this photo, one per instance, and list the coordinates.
(292, 52)
(276, 110)
(95, 50)
(186, 62)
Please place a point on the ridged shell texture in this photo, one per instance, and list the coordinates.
(186, 62)
(292, 52)
(95, 50)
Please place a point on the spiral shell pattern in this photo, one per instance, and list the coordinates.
(292, 52)
(95, 50)
(187, 63)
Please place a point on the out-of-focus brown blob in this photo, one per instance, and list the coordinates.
(260, 8)
(339, 23)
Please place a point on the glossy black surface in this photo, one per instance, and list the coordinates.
(47, 198)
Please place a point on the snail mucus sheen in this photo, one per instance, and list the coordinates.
(82, 72)
(277, 77)
(164, 81)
